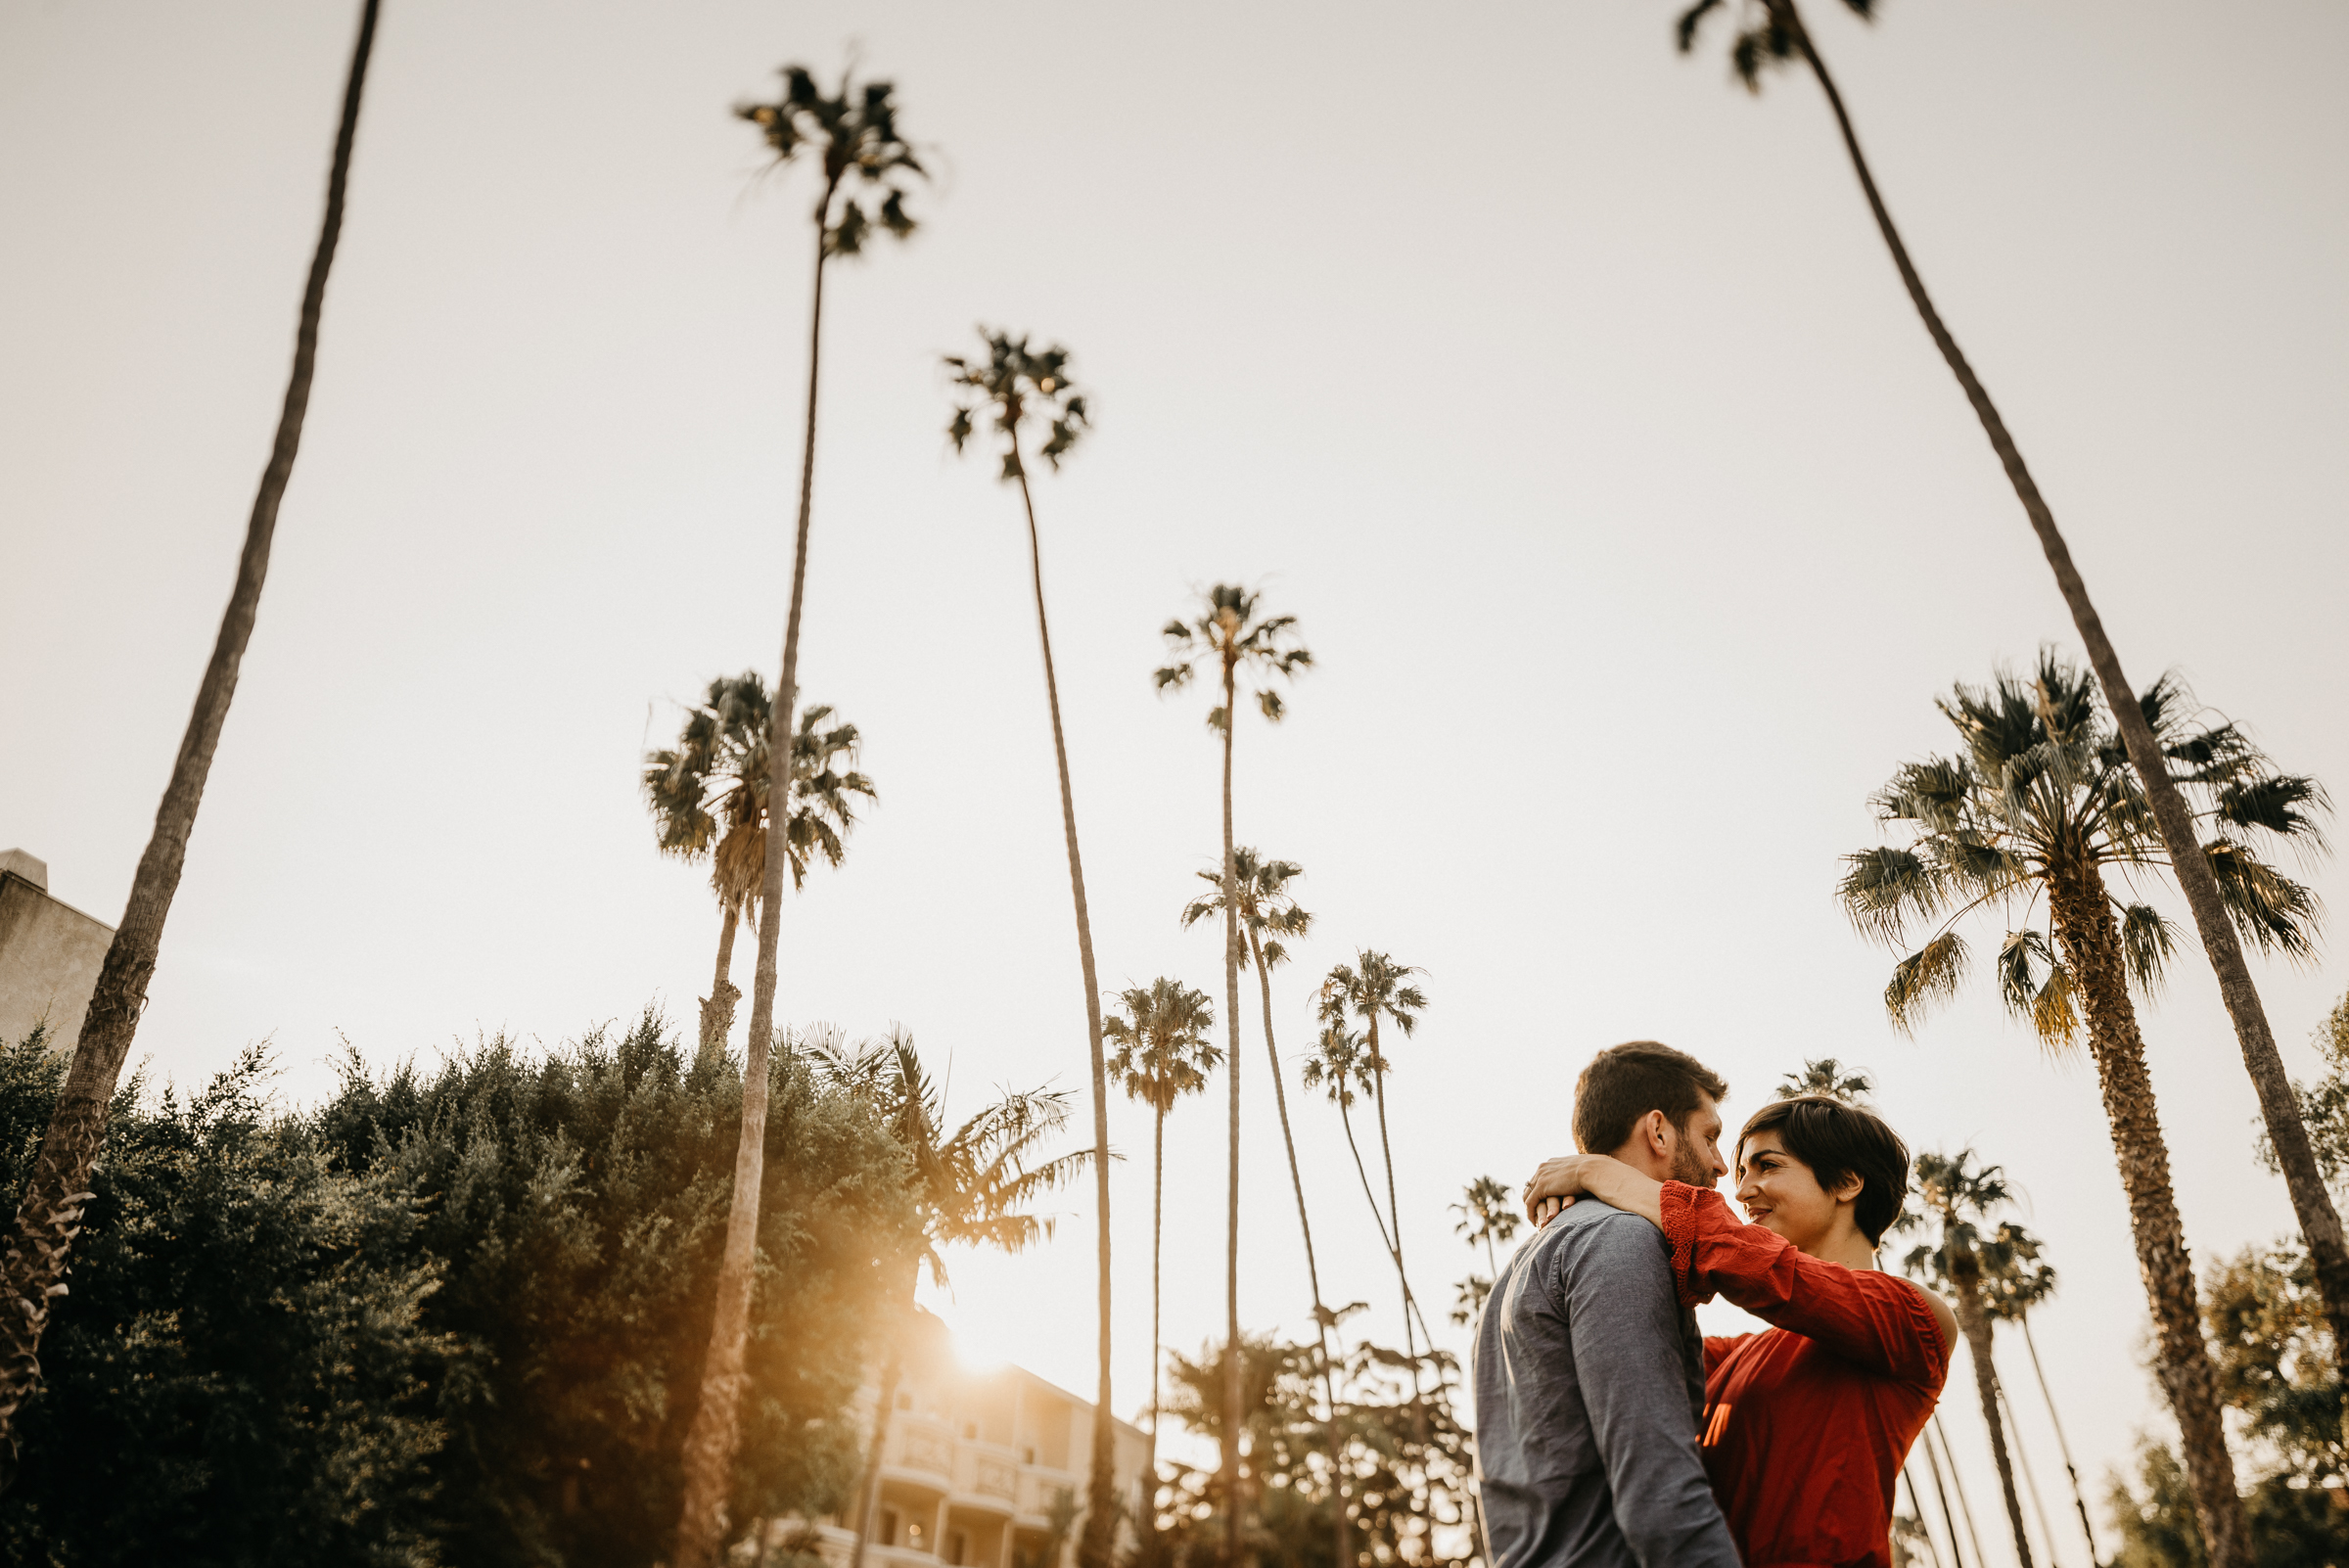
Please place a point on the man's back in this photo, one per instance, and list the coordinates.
(1588, 1392)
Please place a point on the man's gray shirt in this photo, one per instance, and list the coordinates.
(1590, 1388)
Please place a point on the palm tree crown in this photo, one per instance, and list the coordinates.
(2043, 796)
(1163, 1049)
(1825, 1076)
(1268, 911)
(1015, 384)
(708, 792)
(852, 134)
(1373, 987)
(1227, 637)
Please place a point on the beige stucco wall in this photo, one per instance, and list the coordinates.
(48, 959)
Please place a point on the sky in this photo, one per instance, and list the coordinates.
(1560, 388)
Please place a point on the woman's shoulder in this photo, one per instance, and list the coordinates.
(1943, 1318)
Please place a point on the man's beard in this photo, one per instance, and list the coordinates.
(1690, 1164)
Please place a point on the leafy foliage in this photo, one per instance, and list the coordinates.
(1825, 1076)
(1162, 1047)
(1226, 637)
(454, 1316)
(1268, 911)
(2324, 1108)
(2043, 794)
(2273, 1359)
(1407, 1495)
(1770, 34)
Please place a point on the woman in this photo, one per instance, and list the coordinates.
(1806, 1425)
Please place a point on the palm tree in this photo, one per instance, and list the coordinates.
(49, 1213)
(2041, 801)
(852, 138)
(1014, 386)
(1163, 1055)
(974, 1186)
(1825, 1076)
(1374, 986)
(1484, 1216)
(708, 796)
(1778, 38)
(1269, 912)
(1957, 1193)
(1225, 637)
(2015, 1279)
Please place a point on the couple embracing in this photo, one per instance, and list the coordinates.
(1609, 1432)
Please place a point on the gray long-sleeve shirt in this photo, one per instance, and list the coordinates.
(1590, 1387)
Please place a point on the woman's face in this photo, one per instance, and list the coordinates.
(1780, 1192)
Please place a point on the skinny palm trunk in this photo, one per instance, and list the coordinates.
(1378, 1082)
(2312, 1205)
(869, 1492)
(1917, 1508)
(2022, 1462)
(1949, 1515)
(715, 1433)
(2091, 949)
(717, 1008)
(1964, 1274)
(1973, 1538)
(1158, 1212)
(49, 1216)
(2079, 1500)
(1312, 1273)
(1234, 1392)
(1097, 1543)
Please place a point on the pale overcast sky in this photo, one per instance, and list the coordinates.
(1562, 389)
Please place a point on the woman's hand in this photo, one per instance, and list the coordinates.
(1554, 1185)
(1558, 1181)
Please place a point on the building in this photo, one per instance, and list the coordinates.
(50, 954)
(979, 1469)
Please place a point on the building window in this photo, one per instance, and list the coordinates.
(888, 1533)
(958, 1550)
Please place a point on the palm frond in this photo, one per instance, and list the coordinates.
(2148, 944)
(2055, 1010)
(2269, 909)
(1925, 977)
(2286, 804)
(2021, 958)
(1884, 888)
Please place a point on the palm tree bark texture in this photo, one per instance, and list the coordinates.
(49, 1216)
(2319, 1221)
(2091, 946)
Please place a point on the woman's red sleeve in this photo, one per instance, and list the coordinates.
(1866, 1317)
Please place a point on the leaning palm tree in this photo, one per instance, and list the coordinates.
(1015, 385)
(1775, 36)
(1486, 1218)
(708, 796)
(1959, 1194)
(1163, 1055)
(863, 164)
(1825, 1076)
(1373, 987)
(1269, 912)
(974, 1186)
(2034, 808)
(1226, 638)
(49, 1212)
(2015, 1279)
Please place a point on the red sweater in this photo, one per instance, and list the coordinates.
(1807, 1423)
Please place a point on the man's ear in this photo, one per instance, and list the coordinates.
(1656, 1130)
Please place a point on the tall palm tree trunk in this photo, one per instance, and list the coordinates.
(1917, 1510)
(1964, 1274)
(715, 1433)
(1966, 1509)
(2092, 947)
(869, 1490)
(2022, 1462)
(1234, 1391)
(1949, 1515)
(717, 1008)
(2079, 1500)
(1378, 1083)
(2312, 1205)
(1158, 1211)
(1097, 1546)
(49, 1216)
(1312, 1273)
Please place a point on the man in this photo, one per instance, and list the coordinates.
(1589, 1375)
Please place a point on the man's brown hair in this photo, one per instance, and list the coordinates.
(1623, 1083)
(1839, 1140)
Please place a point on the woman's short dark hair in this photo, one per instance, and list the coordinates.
(1839, 1141)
